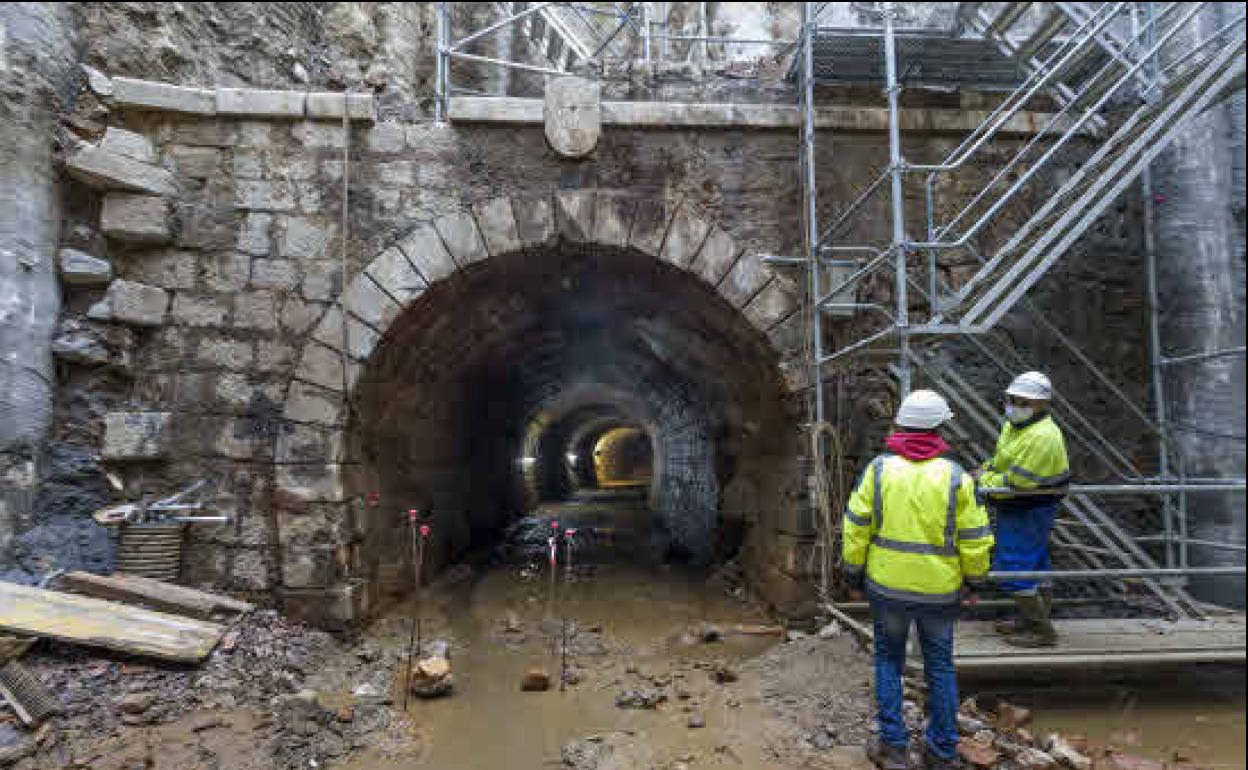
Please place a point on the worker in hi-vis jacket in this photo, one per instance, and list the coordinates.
(914, 535)
(1030, 462)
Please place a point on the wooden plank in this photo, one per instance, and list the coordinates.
(13, 647)
(154, 593)
(97, 623)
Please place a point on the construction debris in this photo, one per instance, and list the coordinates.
(156, 594)
(97, 623)
(535, 679)
(431, 678)
(31, 701)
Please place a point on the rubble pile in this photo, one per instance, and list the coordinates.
(998, 739)
(256, 680)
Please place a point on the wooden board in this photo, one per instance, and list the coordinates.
(13, 647)
(1110, 642)
(97, 623)
(154, 593)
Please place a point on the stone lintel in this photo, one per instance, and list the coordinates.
(665, 115)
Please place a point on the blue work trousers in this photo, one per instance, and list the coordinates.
(1023, 529)
(892, 629)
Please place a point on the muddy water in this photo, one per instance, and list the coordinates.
(627, 627)
(1191, 716)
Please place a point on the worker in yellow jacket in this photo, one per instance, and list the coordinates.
(913, 535)
(1030, 464)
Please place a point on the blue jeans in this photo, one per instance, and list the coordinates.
(892, 628)
(1023, 528)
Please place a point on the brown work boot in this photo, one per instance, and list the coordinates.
(1039, 631)
(886, 756)
(1010, 626)
(933, 762)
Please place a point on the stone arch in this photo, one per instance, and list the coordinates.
(313, 469)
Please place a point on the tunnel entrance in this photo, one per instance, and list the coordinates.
(534, 379)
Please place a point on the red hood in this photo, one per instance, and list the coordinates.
(917, 446)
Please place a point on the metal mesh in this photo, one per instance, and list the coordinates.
(922, 60)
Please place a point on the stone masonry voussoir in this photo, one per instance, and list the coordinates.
(498, 226)
(746, 278)
(463, 240)
(684, 237)
(574, 215)
(772, 305)
(362, 337)
(613, 218)
(535, 220)
(392, 271)
(717, 256)
(650, 223)
(366, 301)
(427, 253)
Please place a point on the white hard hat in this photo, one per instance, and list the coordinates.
(1032, 385)
(923, 409)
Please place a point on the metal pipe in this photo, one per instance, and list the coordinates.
(893, 88)
(1154, 336)
(1192, 52)
(1083, 574)
(811, 211)
(1224, 353)
(536, 8)
(721, 39)
(857, 345)
(502, 63)
(646, 31)
(1120, 489)
(440, 65)
(1195, 541)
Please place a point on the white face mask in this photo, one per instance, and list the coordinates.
(1017, 414)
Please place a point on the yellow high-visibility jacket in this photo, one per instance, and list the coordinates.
(916, 529)
(1030, 456)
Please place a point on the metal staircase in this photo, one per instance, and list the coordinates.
(1067, 214)
(1112, 85)
(569, 34)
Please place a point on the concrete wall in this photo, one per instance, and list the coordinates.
(1199, 184)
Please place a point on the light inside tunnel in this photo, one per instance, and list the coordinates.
(491, 394)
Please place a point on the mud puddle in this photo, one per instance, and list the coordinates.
(631, 632)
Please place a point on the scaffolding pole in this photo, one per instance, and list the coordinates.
(896, 171)
(811, 211)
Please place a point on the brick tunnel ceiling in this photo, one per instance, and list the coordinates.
(558, 340)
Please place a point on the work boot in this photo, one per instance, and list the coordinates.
(1010, 626)
(886, 756)
(1039, 631)
(931, 761)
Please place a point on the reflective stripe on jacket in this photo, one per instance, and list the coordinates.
(1029, 456)
(917, 530)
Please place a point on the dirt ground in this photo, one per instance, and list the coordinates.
(666, 671)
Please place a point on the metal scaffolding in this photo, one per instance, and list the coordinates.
(1118, 78)
(569, 38)
(1085, 65)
